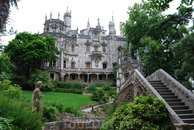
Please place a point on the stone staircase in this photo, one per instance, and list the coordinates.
(179, 107)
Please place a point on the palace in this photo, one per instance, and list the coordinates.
(88, 56)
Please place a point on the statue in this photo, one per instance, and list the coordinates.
(37, 94)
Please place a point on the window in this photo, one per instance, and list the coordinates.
(95, 35)
(104, 66)
(65, 46)
(87, 48)
(87, 65)
(104, 49)
(73, 77)
(52, 64)
(52, 76)
(95, 48)
(72, 64)
(72, 48)
(64, 64)
(100, 77)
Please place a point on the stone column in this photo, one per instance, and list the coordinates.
(69, 77)
(106, 76)
(88, 78)
(97, 76)
(78, 77)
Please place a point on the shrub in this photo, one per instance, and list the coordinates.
(12, 91)
(52, 110)
(105, 86)
(99, 96)
(21, 117)
(70, 85)
(73, 111)
(75, 91)
(145, 113)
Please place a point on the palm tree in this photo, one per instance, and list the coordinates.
(5, 10)
(43, 76)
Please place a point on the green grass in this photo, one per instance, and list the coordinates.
(67, 99)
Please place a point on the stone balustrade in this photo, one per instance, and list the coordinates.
(183, 93)
(140, 85)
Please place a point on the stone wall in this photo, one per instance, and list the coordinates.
(73, 125)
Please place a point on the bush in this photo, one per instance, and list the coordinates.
(99, 96)
(105, 86)
(11, 91)
(145, 113)
(21, 116)
(52, 111)
(73, 111)
(70, 85)
(75, 91)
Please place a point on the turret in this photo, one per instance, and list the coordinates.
(112, 30)
(67, 20)
(98, 25)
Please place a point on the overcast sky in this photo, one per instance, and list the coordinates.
(31, 14)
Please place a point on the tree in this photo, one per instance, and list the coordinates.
(184, 49)
(5, 67)
(4, 11)
(165, 4)
(28, 51)
(147, 27)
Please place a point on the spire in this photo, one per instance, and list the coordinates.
(67, 8)
(88, 24)
(58, 15)
(46, 17)
(51, 15)
(112, 18)
(98, 22)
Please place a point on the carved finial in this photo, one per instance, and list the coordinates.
(88, 24)
(58, 15)
(51, 15)
(98, 22)
(67, 8)
(46, 17)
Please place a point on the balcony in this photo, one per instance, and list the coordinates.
(88, 70)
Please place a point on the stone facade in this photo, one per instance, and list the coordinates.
(88, 56)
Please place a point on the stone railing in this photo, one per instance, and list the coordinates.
(73, 125)
(89, 70)
(69, 122)
(182, 92)
(138, 80)
(51, 68)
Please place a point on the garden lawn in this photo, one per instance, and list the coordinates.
(67, 99)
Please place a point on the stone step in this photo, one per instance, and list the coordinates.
(185, 116)
(169, 96)
(184, 111)
(175, 103)
(166, 93)
(183, 107)
(163, 90)
(190, 120)
(192, 126)
(173, 100)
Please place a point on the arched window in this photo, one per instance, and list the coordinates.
(104, 49)
(95, 36)
(65, 46)
(72, 64)
(72, 48)
(87, 48)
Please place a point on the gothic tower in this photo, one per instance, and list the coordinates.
(67, 21)
(112, 30)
